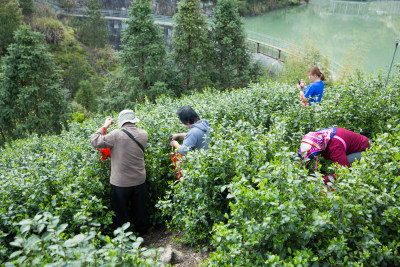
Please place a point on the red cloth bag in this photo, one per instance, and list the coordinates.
(176, 159)
(105, 153)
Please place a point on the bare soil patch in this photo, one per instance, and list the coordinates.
(160, 236)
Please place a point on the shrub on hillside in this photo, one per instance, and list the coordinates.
(32, 98)
(52, 29)
(247, 193)
(287, 219)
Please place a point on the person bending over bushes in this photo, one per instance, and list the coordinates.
(128, 173)
(313, 92)
(198, 135)
(337, 144)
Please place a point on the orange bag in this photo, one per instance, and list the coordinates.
(176, 159)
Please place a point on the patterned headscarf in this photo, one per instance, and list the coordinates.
(314, 143)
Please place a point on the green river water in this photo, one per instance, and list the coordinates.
(367, 31)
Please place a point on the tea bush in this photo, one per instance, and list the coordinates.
(247, 195)
(243, 127)
(290, 221)
(41, 242)
(54, 202)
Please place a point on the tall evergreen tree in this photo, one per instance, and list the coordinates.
(142, 62)
(27, 7)
(32, 100)
(117, 93)
(232, 61)
(86, 96)
(78, 70)
(10, 20)
(92, 28)
(143, 52)
(192, 48)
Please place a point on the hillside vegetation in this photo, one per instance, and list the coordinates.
(247, 196)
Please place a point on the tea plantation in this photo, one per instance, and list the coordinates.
(247, 197)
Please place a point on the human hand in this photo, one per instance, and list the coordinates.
(108, 122)
(174, 144)
(302, 84)
(178, 135)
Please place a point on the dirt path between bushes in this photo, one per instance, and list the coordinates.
(189, 256)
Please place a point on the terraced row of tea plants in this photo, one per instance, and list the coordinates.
(247, 196)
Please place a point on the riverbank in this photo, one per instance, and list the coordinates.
(344, 36)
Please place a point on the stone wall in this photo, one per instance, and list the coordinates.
(166, 7)
(161, 7)
(170, 7)
(116, 26)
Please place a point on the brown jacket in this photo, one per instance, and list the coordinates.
(127, 159)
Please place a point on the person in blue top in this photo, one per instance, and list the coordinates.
(313, 92)
(198, 135)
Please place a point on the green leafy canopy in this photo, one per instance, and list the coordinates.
(32, 99)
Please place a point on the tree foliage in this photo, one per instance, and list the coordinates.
(143, 51)
(86, 96)
(78, 70)
(117, 93)
(232, 61)
(192, 48)
(92, 29)
(142, 72)
(10, 19)
(32, 100)
(27, 7)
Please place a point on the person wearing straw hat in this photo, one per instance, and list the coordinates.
(337, 144)
(128, 174)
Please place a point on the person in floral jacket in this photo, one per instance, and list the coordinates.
(337, 144)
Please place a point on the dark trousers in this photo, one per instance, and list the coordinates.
(129, 205)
